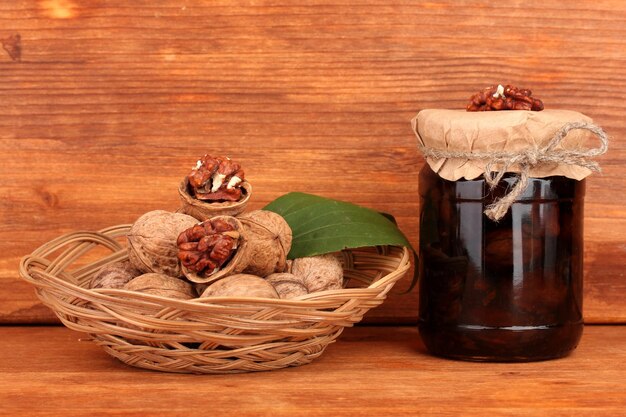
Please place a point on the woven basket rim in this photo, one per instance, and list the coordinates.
(105, 294)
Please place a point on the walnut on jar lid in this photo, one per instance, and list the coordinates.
(501, 97)
(215, 186)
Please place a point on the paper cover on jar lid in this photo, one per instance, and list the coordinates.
(510, 131)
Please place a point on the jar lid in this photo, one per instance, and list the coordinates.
(499, 131)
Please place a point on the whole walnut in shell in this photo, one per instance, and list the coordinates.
(319, 273)
(152, 241)
(287, 285)
(270, 242)
(241, 285)
(260, 243)
(163, 285)
(114, 275)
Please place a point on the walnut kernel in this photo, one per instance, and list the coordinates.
(261, 248)
(215, 186)
(204, 248)
(504, 98)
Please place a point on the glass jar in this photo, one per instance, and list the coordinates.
(508, 291)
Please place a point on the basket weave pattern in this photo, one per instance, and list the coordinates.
(208, 335)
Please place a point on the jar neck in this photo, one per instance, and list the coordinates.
(539, 189)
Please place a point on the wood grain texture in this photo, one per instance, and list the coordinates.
(110, 103)
(370, 371)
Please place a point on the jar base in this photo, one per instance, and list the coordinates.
(500, 344)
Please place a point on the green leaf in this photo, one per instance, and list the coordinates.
(322, 225)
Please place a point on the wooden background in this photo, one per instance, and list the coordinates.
(108, 106)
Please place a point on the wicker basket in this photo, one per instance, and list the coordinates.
(210, 335)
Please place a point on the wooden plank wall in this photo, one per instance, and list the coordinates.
(109, 104)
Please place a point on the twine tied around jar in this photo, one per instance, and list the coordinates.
(525, 160)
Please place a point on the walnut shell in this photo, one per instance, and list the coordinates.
(241, 285)
(163, 285)
(319, 273)
(203, 210)
(287, 285)
(152, 241)
(233, 266)
(114, 275)
(269, 238)
(262, 248)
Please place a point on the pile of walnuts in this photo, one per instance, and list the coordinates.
(222, 251)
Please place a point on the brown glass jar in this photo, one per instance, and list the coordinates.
(507, 291)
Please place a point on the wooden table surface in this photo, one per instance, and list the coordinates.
(369, 371)
(105, 106)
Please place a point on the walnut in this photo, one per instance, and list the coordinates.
(319, 273)
(152, 241)
(287, 285)
(261, 241)
(504, 98)
(500, 253)
(241, 285)
(270, 238)
(163, 285)
(216, 179)
(215, 186)
(114, 275)
(205, 247)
